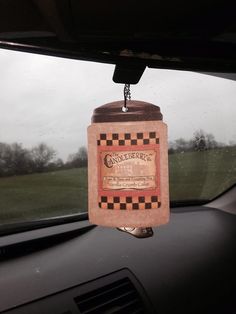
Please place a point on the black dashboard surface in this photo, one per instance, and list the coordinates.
(188, 266)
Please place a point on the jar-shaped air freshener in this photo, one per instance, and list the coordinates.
(128, 166)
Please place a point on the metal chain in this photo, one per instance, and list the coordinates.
(127, 96)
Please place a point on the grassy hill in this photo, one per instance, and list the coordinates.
(43, 195)
(202, 175)
(193, 175)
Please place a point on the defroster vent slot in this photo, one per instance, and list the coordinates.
(118, 297)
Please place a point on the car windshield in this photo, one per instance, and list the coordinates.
(46, 106)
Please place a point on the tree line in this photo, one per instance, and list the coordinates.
(17, 160)
(201, 141)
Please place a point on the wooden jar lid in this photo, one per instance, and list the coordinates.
(137, 111)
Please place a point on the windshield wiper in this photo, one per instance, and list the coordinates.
(13, 228)
(41, 236)
(182, 203)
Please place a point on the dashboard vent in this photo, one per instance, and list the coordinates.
(120, 297)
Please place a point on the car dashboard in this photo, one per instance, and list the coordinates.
(187, 266)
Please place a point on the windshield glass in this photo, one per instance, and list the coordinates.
(46, 106)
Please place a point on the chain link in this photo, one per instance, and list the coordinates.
(127, 96)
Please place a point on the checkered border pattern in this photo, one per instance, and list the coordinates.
(127, 139)
(129, 202)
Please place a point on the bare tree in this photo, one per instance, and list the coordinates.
(79, 159)
(42, 155)
(204, 141)
(181, 145)
(3, 148)
(14, 159)
(199, 140)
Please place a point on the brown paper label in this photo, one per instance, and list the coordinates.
(130, 170)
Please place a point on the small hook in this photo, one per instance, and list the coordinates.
(124, 109)
(138, 232)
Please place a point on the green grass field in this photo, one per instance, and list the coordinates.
(193, 175)
(43, 195)
(202, 175)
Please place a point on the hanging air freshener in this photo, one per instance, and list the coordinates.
(128, 165)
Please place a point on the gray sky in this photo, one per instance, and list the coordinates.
(48, 99)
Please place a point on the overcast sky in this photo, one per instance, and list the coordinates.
(51, 100)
